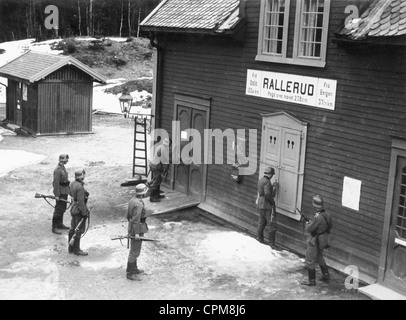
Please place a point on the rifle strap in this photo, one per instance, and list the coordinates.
(48, 202)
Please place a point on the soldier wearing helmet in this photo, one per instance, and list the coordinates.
(61, 191)
(318, 230)
(137, 226)
(266, 206)
(79, 211)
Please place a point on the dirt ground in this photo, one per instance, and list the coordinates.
(195, 259)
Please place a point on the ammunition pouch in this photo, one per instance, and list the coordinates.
(64, 184)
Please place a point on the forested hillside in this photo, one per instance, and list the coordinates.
(22, 19)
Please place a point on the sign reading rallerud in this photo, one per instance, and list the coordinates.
(315, 92)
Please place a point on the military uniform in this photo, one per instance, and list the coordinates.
(79, 211)
(318, 230)
(136, 225)
(266, 206)
(61, 190)
(158, 170)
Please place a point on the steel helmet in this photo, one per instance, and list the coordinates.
(269, 170)
(318, 202)
(64, 157)
(79, 174)
(141, 189)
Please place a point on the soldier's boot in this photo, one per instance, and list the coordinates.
(77, 251)
(312, 278)
(261, 236)
(325, 274)
(160, 194)
(272, 241)
(55, 226)
(70, 248)
(131, 275)
(136, 270)
(154, 196)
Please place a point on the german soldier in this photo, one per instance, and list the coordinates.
(159, 170)
(266, 206)
(318, 230)
(137, 226)
(79, 211)
(61, 191)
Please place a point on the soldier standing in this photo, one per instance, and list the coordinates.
(79, 211)
(61, 191)
(318, 229)
(266, 206)
(137, 226)
(158, 171)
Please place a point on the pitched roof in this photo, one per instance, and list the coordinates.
(34, 66)
(192, 15)
(382, 18)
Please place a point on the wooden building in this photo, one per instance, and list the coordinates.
(323, 84)
(49, 94)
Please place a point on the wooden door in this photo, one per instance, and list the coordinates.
(19, 104)
(184, 116)
(190, 178)
(197, 170)
(395, 271)
(283, 148)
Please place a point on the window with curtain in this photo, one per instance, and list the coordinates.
(309, 33)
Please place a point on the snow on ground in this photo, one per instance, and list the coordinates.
(101, 101)
(13, 159)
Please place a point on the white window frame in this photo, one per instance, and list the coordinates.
(312, 61)
(296, 59)
(273, 57)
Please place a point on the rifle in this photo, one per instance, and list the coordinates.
(45, 196)
(75, 235)
(302, 216)
(131, 237)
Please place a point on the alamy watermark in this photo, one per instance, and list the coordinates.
(207, 147)
(52, 21)
(352, 281)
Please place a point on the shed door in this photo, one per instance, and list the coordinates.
(395, 273)
(18, 106)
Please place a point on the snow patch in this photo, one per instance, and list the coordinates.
(13, 159)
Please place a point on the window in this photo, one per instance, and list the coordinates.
(309, 33)
(274, 31)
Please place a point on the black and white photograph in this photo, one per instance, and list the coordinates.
(203, 154)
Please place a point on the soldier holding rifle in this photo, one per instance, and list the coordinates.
(318, 230)
(137, 226)
(61, 191)
(79, 212)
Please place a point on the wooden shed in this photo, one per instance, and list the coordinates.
(49, 94)
(326, 99)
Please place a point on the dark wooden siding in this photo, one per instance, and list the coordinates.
(354, 140)
(65, 100)
(11, 100)
(65, 107)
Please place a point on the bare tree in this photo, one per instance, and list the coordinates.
(122, 17)
(129, 18)
(80, 19)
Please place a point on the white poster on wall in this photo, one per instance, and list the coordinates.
(351, 193)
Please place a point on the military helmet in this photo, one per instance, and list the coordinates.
(269, 170)
(318, 202)
(64, 157)
(79, 174)
(141, 189)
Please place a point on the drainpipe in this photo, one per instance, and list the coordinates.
(155, 120)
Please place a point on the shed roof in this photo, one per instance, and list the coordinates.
(382, 18)
(205, 16)
(33, 66)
